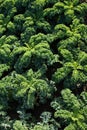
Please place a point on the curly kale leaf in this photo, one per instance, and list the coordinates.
(70, 110)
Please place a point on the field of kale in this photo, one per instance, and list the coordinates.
(43, 64)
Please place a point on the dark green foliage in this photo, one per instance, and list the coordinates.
(24, 87)
(38, 55)
(43, 49)
(71, 110)
(46, 123)
(73, 71)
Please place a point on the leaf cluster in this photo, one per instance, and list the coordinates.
(43, 49)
